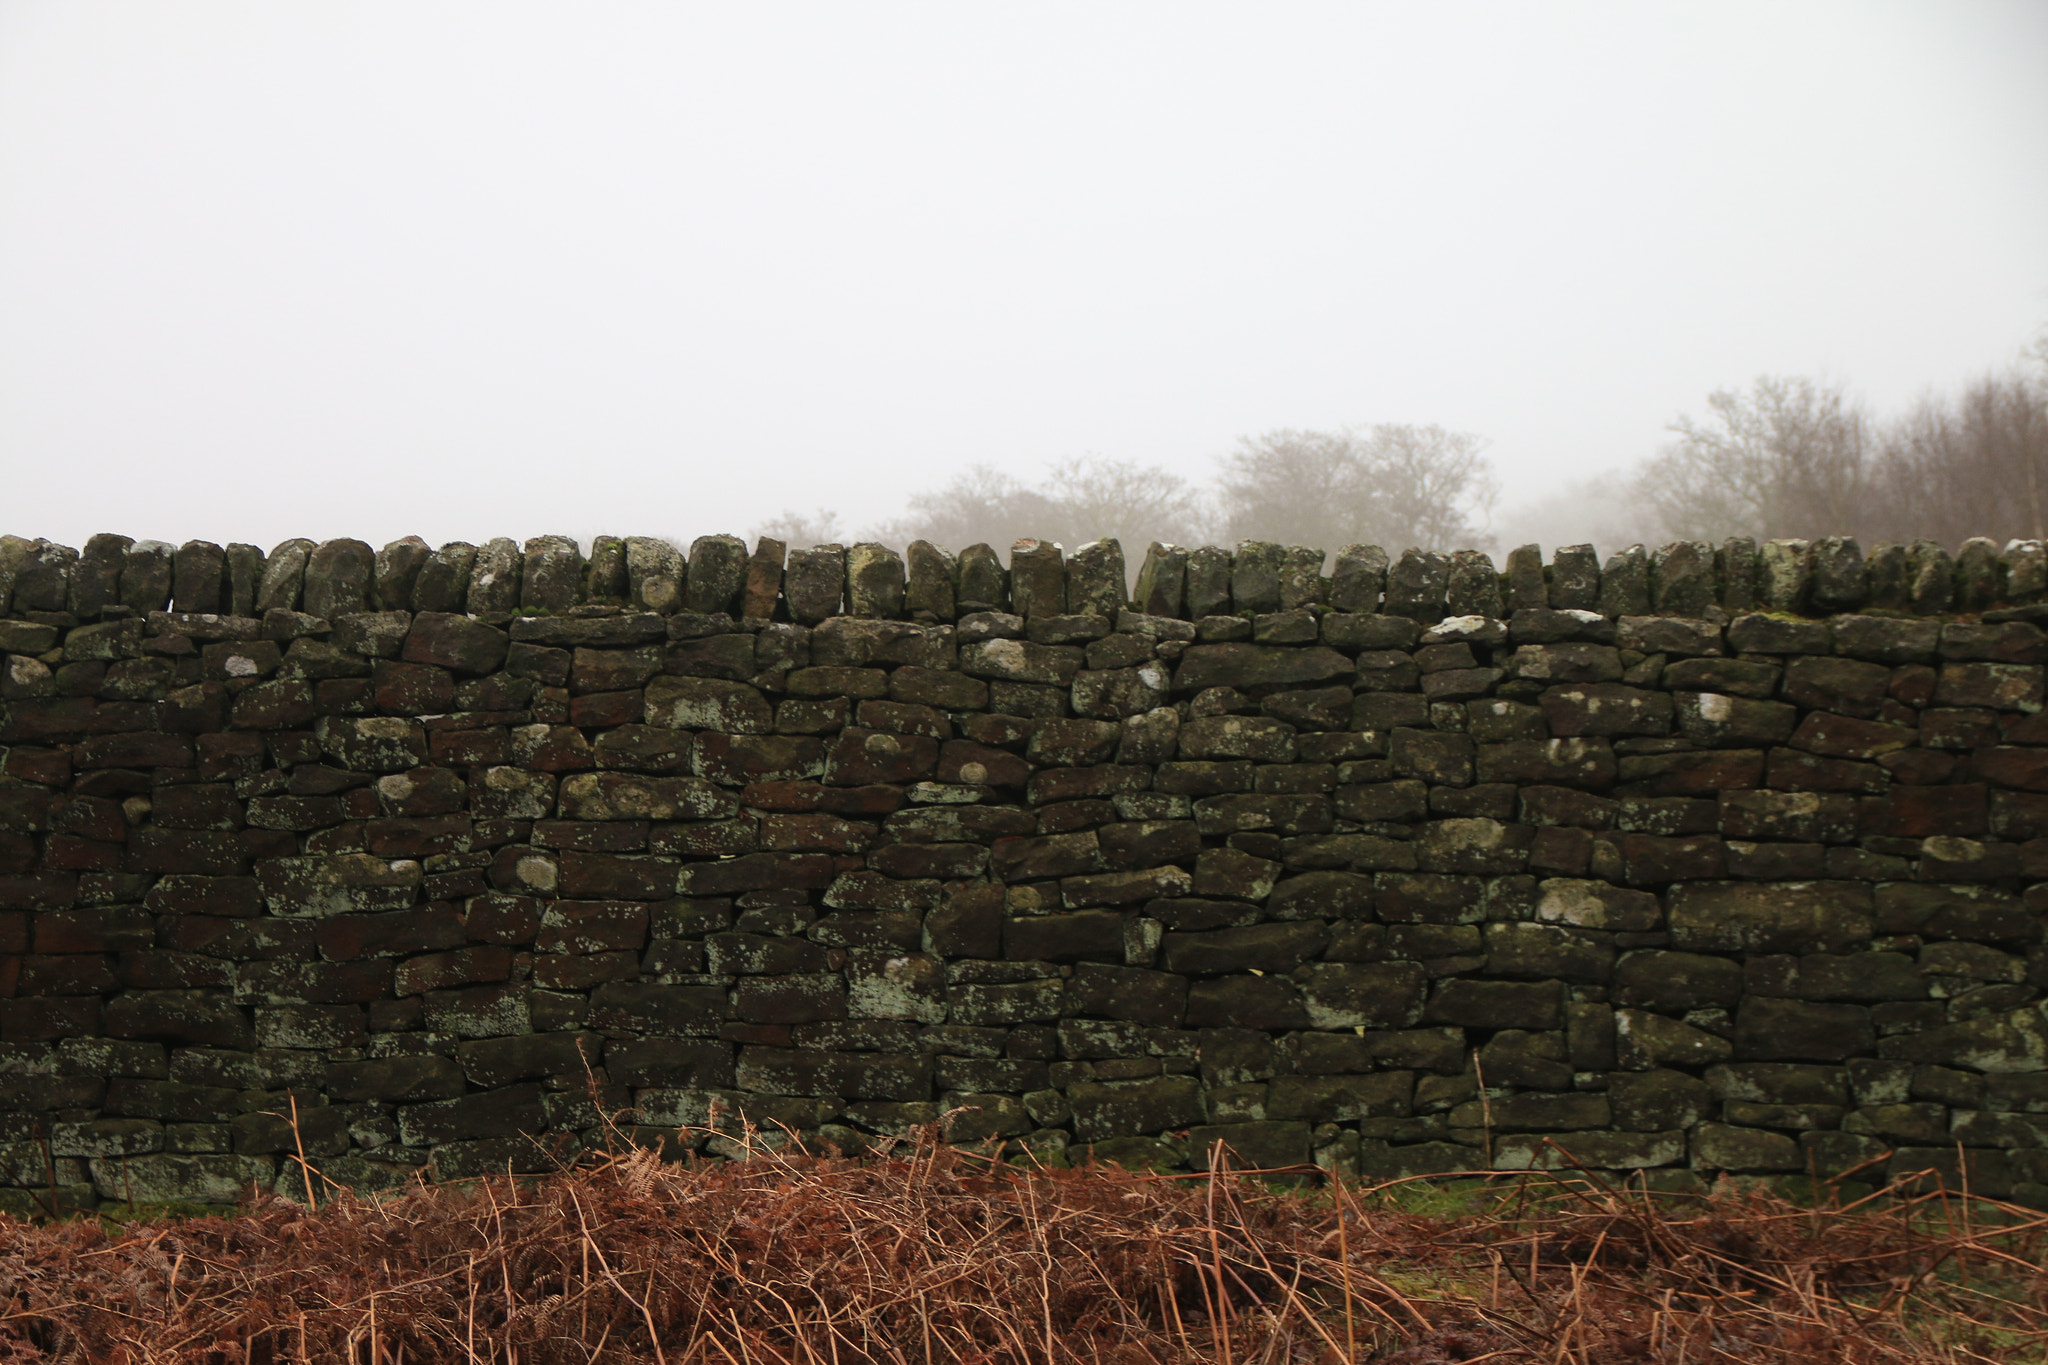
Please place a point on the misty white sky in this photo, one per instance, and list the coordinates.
(466, 270)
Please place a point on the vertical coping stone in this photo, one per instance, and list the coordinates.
(2026, 571)
(604, 577)
(814, 584)
(1095, 578)
(763, 588)
(1208, 582)
(1473, 587)
(397, 573)
(494, 579)
(717, 569)
(1301, 577)
(1417, 586)
(146, 575)
(1682, 579)
(13, 552)
(245, 576)
(552, 574)
(1524, 573)
(1038, 578)
(338, 578)
(1359, 579)
(1784, 574)
(443, 584)
(1840, 581)
(1625, 583)
(1890, 573)
(1255, 576)
(1977, 581)
(196, 574)
(1736, 564)
(654, 574)
(96, 582)
(1163, 581)
(43, 582)
(1575, 578)
(1934, 578)
(984, 586)
(284, 576)
(933, 581)
(874, 582)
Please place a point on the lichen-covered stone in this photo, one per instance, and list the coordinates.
(1763, 917)
(1888, 574)
(932, 578)
(168, 1178)
(1301, 578)
(337, 884)
(42, 576)
(1934, 579)
(1625, 583)
(1527, 589)
(1645, 1040)
(1682, 579)
(984, 583)
(395, 572)
(2024, 567)
(1979, 583)
(2010, 1043)
(146, 576)
(1358, 579)
(445, 640)
(1105, 1109)
(1472, 586)
(96, 579)
(441, 581)
(716, 572)
(1735, 569)
(874, 581)
(551, 574)
(1723, 1146)
(1038, 579)
(1785, 575)
(1095, 579)
(338, 577)
(1574, 578)
(1417, 586)
(494, 579)
(655, 574)
(1840, 580)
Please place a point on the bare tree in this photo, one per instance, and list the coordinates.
(820, 527)
(1078, 500)
(1099, 497)
(1789, 458)
(1977, 466)
(1386, 485)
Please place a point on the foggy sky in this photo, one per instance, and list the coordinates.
(466, 270)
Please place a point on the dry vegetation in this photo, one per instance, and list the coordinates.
(931, 1256)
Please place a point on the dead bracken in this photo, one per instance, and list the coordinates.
(927, 1254)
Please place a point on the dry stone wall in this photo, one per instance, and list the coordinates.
(1714, 859)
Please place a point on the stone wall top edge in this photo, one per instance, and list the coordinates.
(114, 577)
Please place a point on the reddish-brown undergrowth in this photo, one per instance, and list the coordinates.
(930, 1256)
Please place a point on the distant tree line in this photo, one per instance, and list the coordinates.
(1794, 457)
(1386, 484)
(1788, 457)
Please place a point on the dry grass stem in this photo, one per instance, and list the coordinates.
(931, 1255)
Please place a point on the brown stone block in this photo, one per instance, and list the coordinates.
(1917, 812)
